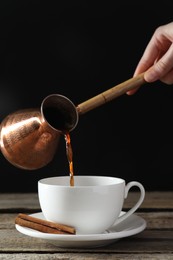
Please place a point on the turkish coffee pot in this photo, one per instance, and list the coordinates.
(29, 137)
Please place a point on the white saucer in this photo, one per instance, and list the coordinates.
(131, 226)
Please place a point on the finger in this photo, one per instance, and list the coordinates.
(156, 48)
(150, 55)
(168, 78)
(131, 92)
(161, 68)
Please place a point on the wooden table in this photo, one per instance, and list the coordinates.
(155, 242)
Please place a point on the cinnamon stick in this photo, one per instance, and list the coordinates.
(42, 225)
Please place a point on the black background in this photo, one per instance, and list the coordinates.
(80, 49)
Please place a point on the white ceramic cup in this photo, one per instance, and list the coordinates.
(92, 205)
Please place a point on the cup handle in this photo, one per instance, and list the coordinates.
(137, 205)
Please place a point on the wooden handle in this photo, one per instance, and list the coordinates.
(111, 94)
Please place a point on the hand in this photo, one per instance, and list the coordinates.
(157, 60)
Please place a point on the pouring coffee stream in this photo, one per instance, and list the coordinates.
(29, 137)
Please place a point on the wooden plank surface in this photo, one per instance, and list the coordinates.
(19, 201)
(148, 241)
(155, 220)
(29, 201)
(73, 256)
(155, 242)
